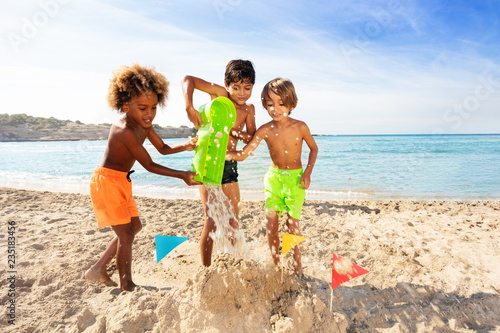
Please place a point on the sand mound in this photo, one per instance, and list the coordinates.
(232, 295)
(237, 295)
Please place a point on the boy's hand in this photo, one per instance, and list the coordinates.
(234, 133)
(305, 181)
(229, 155)
(194, 116)
(191, 144)
(188, 178)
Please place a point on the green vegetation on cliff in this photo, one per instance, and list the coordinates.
(35, 123)
(21, 127)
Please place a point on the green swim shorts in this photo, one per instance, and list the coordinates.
(282, 191)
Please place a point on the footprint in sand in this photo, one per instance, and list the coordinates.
(56, 220)
(37, 246)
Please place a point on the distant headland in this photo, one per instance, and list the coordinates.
(21, 127)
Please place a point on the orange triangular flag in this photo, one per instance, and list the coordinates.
(289, 241)
(343, 270)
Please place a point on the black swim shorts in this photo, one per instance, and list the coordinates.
(230, 174)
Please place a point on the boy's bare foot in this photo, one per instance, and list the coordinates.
(130, 286)
(298, 272)
(95, 274)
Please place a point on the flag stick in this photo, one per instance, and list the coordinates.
(159, 287)
(331, 298)
(282, 268)
(331, 308)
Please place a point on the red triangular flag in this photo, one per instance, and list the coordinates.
(343, 270)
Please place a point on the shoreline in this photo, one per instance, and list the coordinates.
(192, 193)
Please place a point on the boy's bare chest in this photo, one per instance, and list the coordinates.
(241, 116)
(284, 140)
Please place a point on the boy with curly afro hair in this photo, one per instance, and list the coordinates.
(135, 91)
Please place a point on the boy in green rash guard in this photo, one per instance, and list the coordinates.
(239, 80)
(286, 181)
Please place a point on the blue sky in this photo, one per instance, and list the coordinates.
(359, 67)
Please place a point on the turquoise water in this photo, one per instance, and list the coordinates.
(371, 167)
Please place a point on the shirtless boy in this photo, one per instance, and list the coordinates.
(136, 92)
(286, 181)
(239, 79)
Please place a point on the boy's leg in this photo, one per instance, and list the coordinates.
(125, 234)
(136, 224)
(294, 229)
(232, 191)
(273, 239)
(206, 242)
(98, 271)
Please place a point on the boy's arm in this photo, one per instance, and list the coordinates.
(140, 154)
(189, 84)
(305, 180)
(250, 127)
(166, 149)
(241, 155)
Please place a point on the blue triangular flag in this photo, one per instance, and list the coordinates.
(165, 244)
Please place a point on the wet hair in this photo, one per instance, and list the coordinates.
(284, 89)
(239, 70)
(129, 82)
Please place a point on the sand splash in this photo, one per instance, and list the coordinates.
(227, 239)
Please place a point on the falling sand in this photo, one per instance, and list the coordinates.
(227, 239)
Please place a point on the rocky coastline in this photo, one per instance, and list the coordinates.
(74, 131)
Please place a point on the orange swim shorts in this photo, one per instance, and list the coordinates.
(112, 200)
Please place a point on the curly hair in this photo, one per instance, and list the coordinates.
(129, 82)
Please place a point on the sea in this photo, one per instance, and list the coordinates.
(348, 167)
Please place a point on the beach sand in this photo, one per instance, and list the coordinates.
(434, 267)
